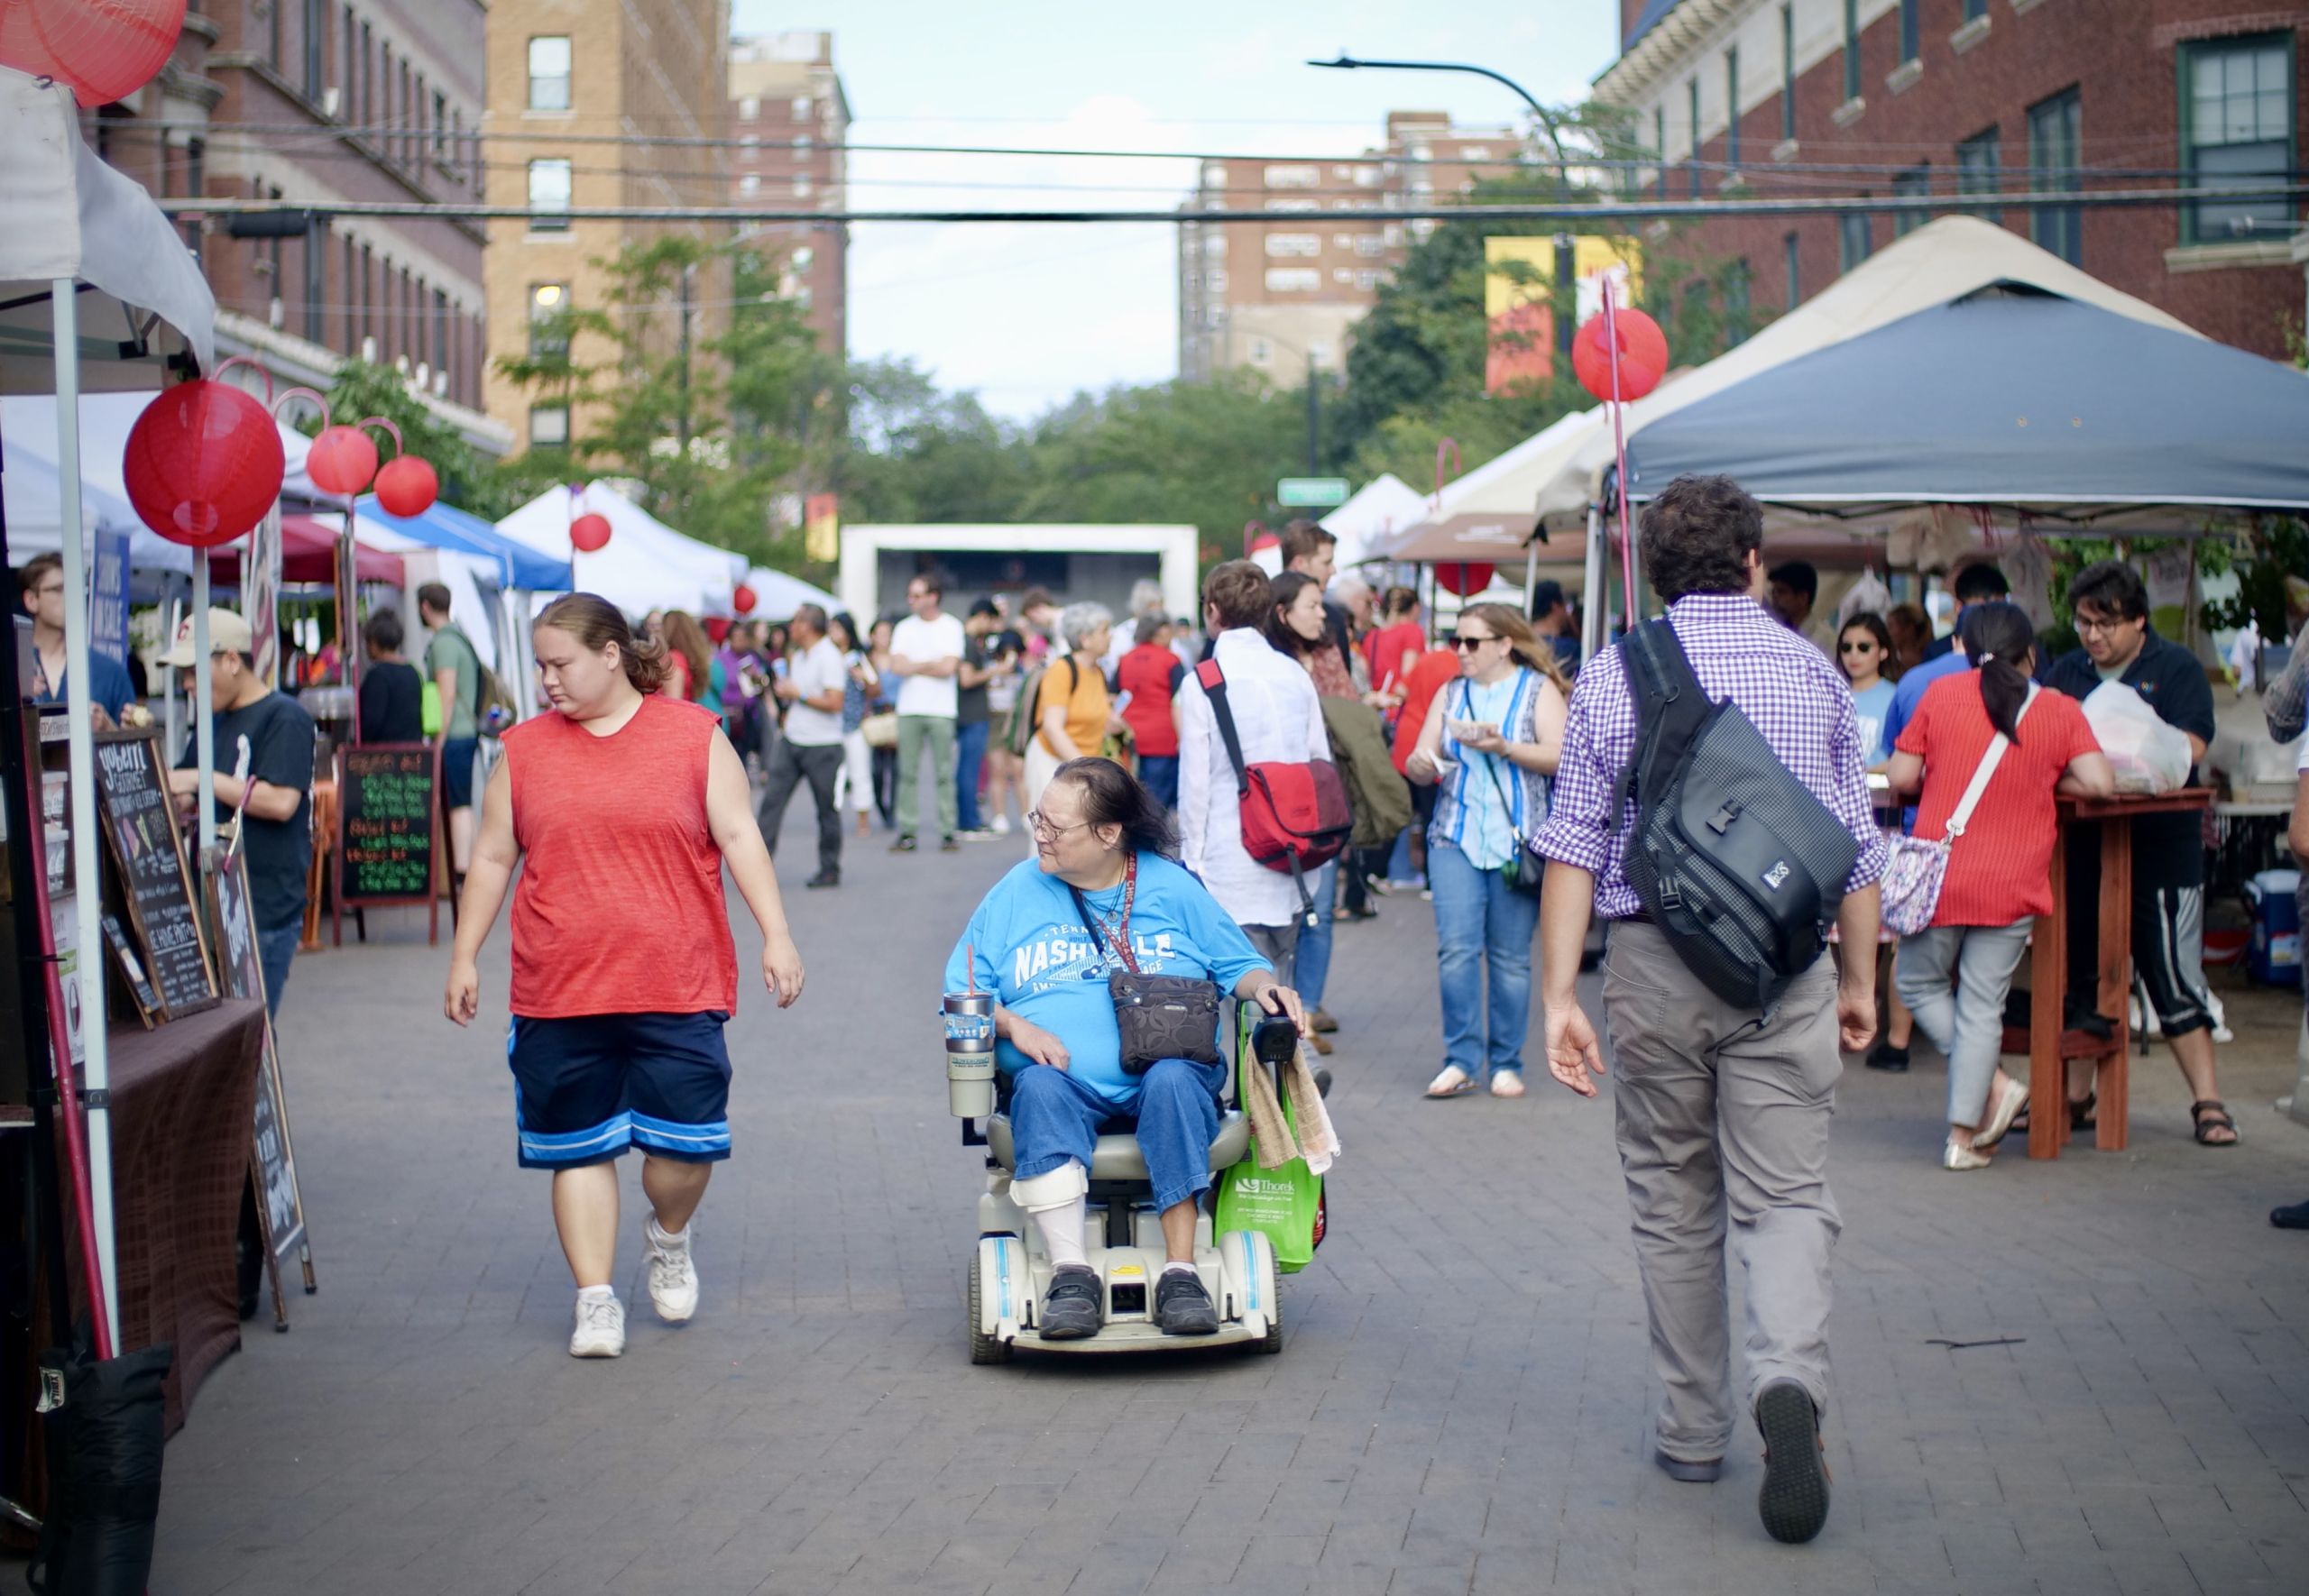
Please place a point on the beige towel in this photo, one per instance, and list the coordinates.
(1269, 1129)
(1318, 1141)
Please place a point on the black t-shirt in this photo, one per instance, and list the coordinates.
(970, 702)
(392, 704)
(281, 753)
(2168, 849)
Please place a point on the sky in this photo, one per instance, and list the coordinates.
(1026, 314)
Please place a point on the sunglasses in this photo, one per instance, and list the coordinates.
(1464, 643)
(1858, 645)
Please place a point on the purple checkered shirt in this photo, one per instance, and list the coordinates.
(1785, 686)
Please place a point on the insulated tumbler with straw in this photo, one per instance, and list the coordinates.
(969, 1054)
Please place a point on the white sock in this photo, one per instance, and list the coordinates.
(661, 1233)
(1061, 1231)
(1182, 1269)
(596, 1294)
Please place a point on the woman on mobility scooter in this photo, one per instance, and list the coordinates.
(1102, 894)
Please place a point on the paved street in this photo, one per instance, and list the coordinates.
(1462, 1405)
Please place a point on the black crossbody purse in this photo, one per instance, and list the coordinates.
(1159, 1017)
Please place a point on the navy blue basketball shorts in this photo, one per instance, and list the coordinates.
(588, 1088)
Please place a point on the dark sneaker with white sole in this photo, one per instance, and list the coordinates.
(1072, 1308)
(1182, 1308)
(1794, 1501)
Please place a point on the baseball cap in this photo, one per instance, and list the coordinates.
(227, 633)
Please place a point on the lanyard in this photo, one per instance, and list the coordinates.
(1117, 930)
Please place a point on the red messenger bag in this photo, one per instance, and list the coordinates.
(1294, 812)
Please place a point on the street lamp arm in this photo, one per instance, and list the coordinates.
(1349, 63)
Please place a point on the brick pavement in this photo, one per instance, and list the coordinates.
(1462, 1405)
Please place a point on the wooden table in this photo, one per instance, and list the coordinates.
(2051, 1049)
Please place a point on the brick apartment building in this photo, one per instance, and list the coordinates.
(319, 101)
(1276, 295)
(1939, 97)
(568, 81)
(791, 120)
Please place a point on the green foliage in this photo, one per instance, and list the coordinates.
(2276, 547)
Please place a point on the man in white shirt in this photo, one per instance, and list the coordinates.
(926, 657)
(1277, 716)
(811, 750)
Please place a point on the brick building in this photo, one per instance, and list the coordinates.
(317, 101)
(1279, 295)
(571, 84)
(791, 120)
(1941, 96)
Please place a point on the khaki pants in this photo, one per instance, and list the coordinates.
(1723, 1119)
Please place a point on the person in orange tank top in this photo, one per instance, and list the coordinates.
(623, 805)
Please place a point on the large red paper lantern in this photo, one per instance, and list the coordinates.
(589, 533)
(203, 463)
(407, 486)
(1461, 578)
(717, 627)
(342, 460)
(744, 600)
(1643, 355)
(103, 51)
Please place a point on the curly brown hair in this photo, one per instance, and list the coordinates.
(1696, 534)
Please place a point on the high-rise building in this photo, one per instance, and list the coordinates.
(1281, 294)
(1904, 100)
(791, 121)
(597, 102)
(317, 102)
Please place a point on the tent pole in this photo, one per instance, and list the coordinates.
(1595, 606)
(204, 722)
(88, 897)
(1531, 573)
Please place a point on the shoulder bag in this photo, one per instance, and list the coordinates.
(1159, 1017)
(1916, 868)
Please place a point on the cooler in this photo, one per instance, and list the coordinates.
(2275, 960)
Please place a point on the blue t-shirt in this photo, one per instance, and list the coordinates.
(108, 685)
(1910, 692)
(1032, 950)
(1873, 705)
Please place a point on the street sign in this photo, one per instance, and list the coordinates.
(1311, 492)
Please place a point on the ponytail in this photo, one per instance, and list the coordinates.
(1997, 638)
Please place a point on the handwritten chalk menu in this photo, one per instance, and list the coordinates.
(386, 809)
(138, 819)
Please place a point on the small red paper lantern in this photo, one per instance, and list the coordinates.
(1263, 542)
(1460, 579)
(717, 626)
(1643, 355)
(103, 51)
(407, 486)
(203, 463)
(342, 460)
(744, 600)
(589, 533)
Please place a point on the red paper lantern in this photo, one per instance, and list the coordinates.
(342, 460)
(1263, 542)
(103, 51)
(1460, 579)
(744, 600)
(717, 626)
(407, 486)
(589, 533)
(1643, 355)
(203, 463)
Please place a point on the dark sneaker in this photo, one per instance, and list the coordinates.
(1073, 1307)
(825, 879)
(1890, 1058)
(948, 845)
(2294, 1217)
(1182, 1308)
(1794, 1501)
(2077, 1017)
(905, 844)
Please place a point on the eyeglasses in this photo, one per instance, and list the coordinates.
(1043, 827)
(1464, 644)
(2085, 623)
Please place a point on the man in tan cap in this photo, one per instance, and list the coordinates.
(275, 802)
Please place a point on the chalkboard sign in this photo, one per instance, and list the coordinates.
(131, 969)
(138, 818)
(386, 805)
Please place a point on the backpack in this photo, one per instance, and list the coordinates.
(1738, 864)
(490, 692)
(1294, 812)
(1026, 715)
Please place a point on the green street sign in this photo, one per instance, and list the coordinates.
(1311, 492)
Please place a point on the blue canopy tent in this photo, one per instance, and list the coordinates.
(445, 525)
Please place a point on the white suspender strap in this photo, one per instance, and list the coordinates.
(1963, 816)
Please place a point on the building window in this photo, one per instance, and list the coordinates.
(749, 184)
(1691, 167)
(1738, 317)
(1294, 176)
(316, 47)
(1787, 71)
(2055, 128)
(350, 286)
(1293, 245)
(750, 108)
(801, 188)
(548, 426)
(441, 336)
(1908, 46)
(316, 282)
(1660, 145)
(548, 320)
(1731, 107)
(1916, 183)
(1974, 10)
(2237, 131)
(1215, 280)
(1370, 244)
(1259, 351)
(548, 192)
(1980, 160)
(550, 73)
(440, 127)
(1851, 50)
(801, 108)
(1853, 243)
(1293, 279)
(348, 69)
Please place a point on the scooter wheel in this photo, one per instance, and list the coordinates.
(984, 1348)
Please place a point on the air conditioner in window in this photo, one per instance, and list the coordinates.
(424, 374)
(400, 364)
(331, 99)
(369, 348)
(440, 385)
(276, 315)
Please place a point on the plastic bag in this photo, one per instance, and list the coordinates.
(2150, 756)
(1868, 596)
(1286, 1202)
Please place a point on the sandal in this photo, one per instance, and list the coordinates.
(2080, 1116)
(1452, 1082)
(2211, 1114)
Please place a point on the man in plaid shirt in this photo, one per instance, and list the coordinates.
(1723, 1110)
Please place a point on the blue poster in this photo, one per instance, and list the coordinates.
(108, 594)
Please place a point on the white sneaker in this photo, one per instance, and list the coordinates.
(600, 1328)
(673, 1276)
(1001, 825)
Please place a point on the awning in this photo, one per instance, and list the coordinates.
(445, 525)
(308, 554)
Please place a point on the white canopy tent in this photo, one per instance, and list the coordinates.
(646, 566)
(1380, 508)
(777, 595)
(33, 490)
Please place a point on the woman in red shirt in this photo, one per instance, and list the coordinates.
(623, 806)
(1999, 877)
(1149, 674)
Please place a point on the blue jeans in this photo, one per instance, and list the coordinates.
(970, 753)
(274, 949)
(1054, 1118)
(1478, 916)
(1312, 972)
(1159, 773)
